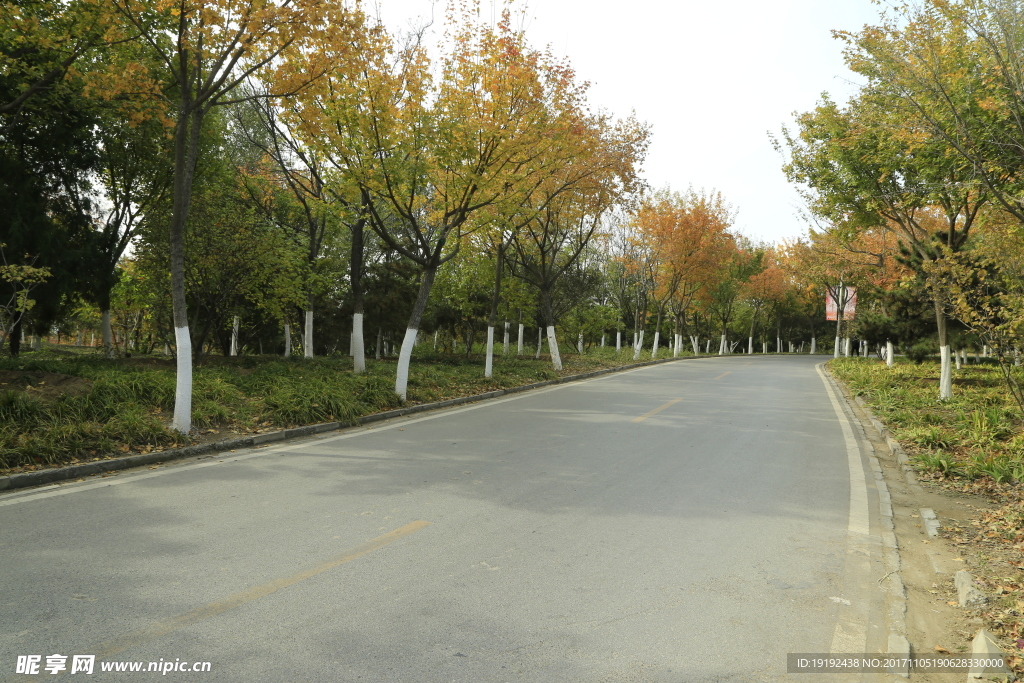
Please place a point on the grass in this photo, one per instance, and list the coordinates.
(118, 406)
(978, 433)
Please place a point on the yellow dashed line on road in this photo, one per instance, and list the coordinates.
(656, 410)
(723, 374)
(162, 628)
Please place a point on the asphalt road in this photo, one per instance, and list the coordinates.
(689, 521)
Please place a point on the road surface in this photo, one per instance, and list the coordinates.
(690, 521)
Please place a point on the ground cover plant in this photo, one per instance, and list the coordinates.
(59, 407)
(977, 434)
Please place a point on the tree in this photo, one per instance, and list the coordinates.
(16, 285)
(864, 168)
(209, 49)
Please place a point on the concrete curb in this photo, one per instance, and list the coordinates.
(983, 647)
(25, 479)
(898, 644)
(967, 592)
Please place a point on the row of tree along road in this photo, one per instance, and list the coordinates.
(237, 175)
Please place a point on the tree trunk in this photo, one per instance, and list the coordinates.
(489, 361)
(539, 343)
(186, 153)
(946, 369)
(519, 344)
(750, 346)
(723, 345)
(695, 343)
(108, 335)
(287, 340)
(505, 341)
(358, 345)
(814, 345)
(307, 337)
(618, 342)
(378, 350)
(492, 319)
(14, 339)
(556, 359)
(405, 355)
(234, 337)
(355, 267)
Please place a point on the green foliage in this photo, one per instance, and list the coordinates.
(974, 434)
(128, 402)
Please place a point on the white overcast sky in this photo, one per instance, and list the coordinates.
(712, 79)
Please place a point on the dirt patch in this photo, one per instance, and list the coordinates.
(44, 386)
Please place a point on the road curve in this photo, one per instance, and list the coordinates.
(688, 521)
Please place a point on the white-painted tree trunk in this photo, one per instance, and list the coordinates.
(37, 342)
(764, 348)
(108, 334)
(556, 359)
(602, 339)
(92, 338)
(539, 343)
(791, 347)
(307, 338)
(945, 374)
(489, 355)
(435, 340)
(654, 346)
(182, 420)
(722, 346)
(579, 343)
(963, 356)
(358, 344)
(287, 340)
(618, 341)
(848, 346)
(404, 356)
(956, 357)
(638, 344)
(504, 351)
(814, 345)
(707, 346)
(835, 354)
(234, 337)
(778, 345)
(167, 349)
(519, 345)
(750, 346)
(695, 343)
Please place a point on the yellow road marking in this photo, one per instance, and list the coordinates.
(723, 375)
(656, 410)
(162, 628)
